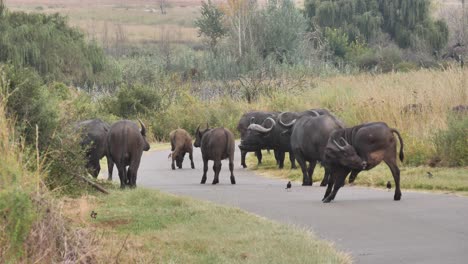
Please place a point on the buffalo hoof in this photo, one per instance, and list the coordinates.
(244, 166)
(203, 180)
(215, 182)
(306, 184)
(327, 200)
(193, 166)
(233, 180)
(397, 197)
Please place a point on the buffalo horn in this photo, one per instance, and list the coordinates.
(252, 120)
(338, 145)
(261, 128)
(143, 128)
(314, 112)
(342, 140)
(283, 124)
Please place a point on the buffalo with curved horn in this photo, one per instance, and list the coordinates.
(361, 148)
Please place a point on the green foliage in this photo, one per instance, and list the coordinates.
(17, 215)
(403, 20)
(130, 101)
(55, 50)
(452, 144)
(30, 103)
(337, 41)
(210, 24)
(280, 27)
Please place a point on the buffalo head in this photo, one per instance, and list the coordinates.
(146, 145)
(255, 137)
(199, 134)
(342, 153)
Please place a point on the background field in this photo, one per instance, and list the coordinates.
(141, 21)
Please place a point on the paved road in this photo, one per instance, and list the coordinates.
(421, 228)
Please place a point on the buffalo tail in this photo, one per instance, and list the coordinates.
(402, 155)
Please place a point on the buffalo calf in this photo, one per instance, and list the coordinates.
(216, 144)
(181, 143)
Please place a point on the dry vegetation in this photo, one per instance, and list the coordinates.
(32, 227)
(141, 21)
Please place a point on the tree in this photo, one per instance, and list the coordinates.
(407, 22)
(210, 24)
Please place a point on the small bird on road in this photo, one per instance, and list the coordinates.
(389, 185)
(93, 214)
(288, 186)
(429, 174)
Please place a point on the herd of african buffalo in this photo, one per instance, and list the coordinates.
(310, 136)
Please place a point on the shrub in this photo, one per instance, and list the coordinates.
(452, 144)
(30, 103)
(133, 100)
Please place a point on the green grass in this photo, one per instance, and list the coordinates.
(152, 227)
(444, 179)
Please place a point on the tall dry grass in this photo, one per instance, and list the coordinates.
(416, 103)
(32, 228)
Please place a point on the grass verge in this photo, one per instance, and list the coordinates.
(147, 226)
(443, 179)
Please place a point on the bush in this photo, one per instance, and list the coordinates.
(55, 50)
(452, 144)
(133, 100)
(30, 103)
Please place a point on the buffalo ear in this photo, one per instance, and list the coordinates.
(207, 125)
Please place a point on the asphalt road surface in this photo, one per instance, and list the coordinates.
(421, 228)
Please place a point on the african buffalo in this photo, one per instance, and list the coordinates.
(361, 148)
(275, 134)
(126, 143)
(216, 144)
(308, 140)
(181, 143)
(268, 135)
(94, 140)
(254, 117)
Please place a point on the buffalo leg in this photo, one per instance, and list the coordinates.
(217, 169)
(132, 172)
(110, 168)
(396, 176)
(205, 169)
(259, 155)
(122, 176)
(303, 165)
(173, 162)
(353, 176)
(281, 155)
(292, 159)
(191, 160)
(339, 179)
(277, 156)
(231, 169)
(310, 171)
(243, 154)
(326, 177)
